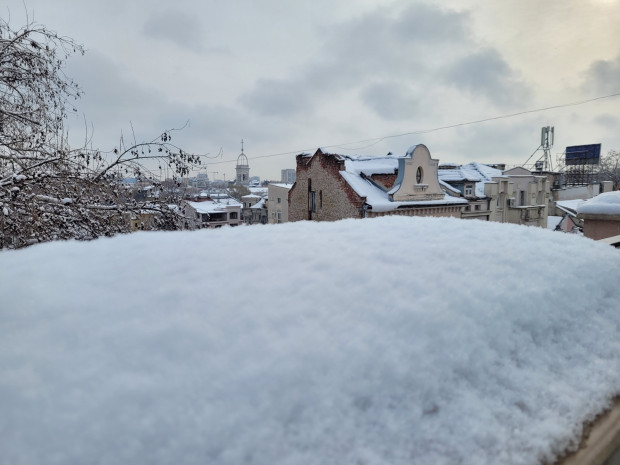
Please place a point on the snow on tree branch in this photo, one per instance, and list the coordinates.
(49, 190)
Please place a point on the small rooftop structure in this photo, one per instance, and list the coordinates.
(601, 215)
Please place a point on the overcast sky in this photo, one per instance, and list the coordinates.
(292, 76)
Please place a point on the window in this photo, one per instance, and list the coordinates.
(477, 207)
(419, 175)
(311, 200)
(279, 217)
(320, 199)
(469, 190)
(279, 200)
(233, 215)
(521, 198)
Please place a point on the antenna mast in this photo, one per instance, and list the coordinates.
(546, 142)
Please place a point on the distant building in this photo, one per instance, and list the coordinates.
(288, 176)
(519, 197)
(242, 169)
(254, 209)
(213, 213)
(468, 182)
(143, 220)
(277, 206)
(331, 187)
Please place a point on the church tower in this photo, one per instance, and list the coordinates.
(242, 168)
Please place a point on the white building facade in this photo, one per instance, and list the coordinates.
(277, 204)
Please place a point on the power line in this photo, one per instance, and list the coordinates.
(376, 140)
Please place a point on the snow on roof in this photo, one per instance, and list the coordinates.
(471, 172)
(357, 167)
(260, 204)
(447, 186)
(378, 350)
(458, 174)
(553, 221)
(607, 203)
(258, 190)
(370, 165)
(379, 200)
(214, 206)
(281, 184)
(569, 206)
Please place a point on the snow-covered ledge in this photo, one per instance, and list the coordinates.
(601, 444)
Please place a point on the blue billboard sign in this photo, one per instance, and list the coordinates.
(583, 154)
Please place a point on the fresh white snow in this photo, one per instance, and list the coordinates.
(603, 204)
(395, 340)
(553, 221)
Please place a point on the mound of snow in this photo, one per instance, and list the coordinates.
(607, 203)
(385, 341)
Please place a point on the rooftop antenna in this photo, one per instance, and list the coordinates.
(546, 142)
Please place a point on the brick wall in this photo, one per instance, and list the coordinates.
(334, 198)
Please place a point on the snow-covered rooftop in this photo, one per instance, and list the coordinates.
(376, 348)
(262, 191)
(472, 172)
(607, 203)
(215, 206)
(569, 206)
(260, 204)
(281, 184)
(371, 165)
(358, 168)
(379, 199)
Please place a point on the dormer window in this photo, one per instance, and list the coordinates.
(418, 175)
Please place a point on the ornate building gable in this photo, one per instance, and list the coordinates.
(417, 177)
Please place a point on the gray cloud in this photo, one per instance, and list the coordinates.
(429, 24)
(508, 141)
(486, 74)
(607, 121)
(177, 27)
(391, 100)
(110, 100)
(603, 76)
(421, 44)
(272, 97)
(382, 44)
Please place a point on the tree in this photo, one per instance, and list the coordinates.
(237, 191)
(609, 169)
(47, 189)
